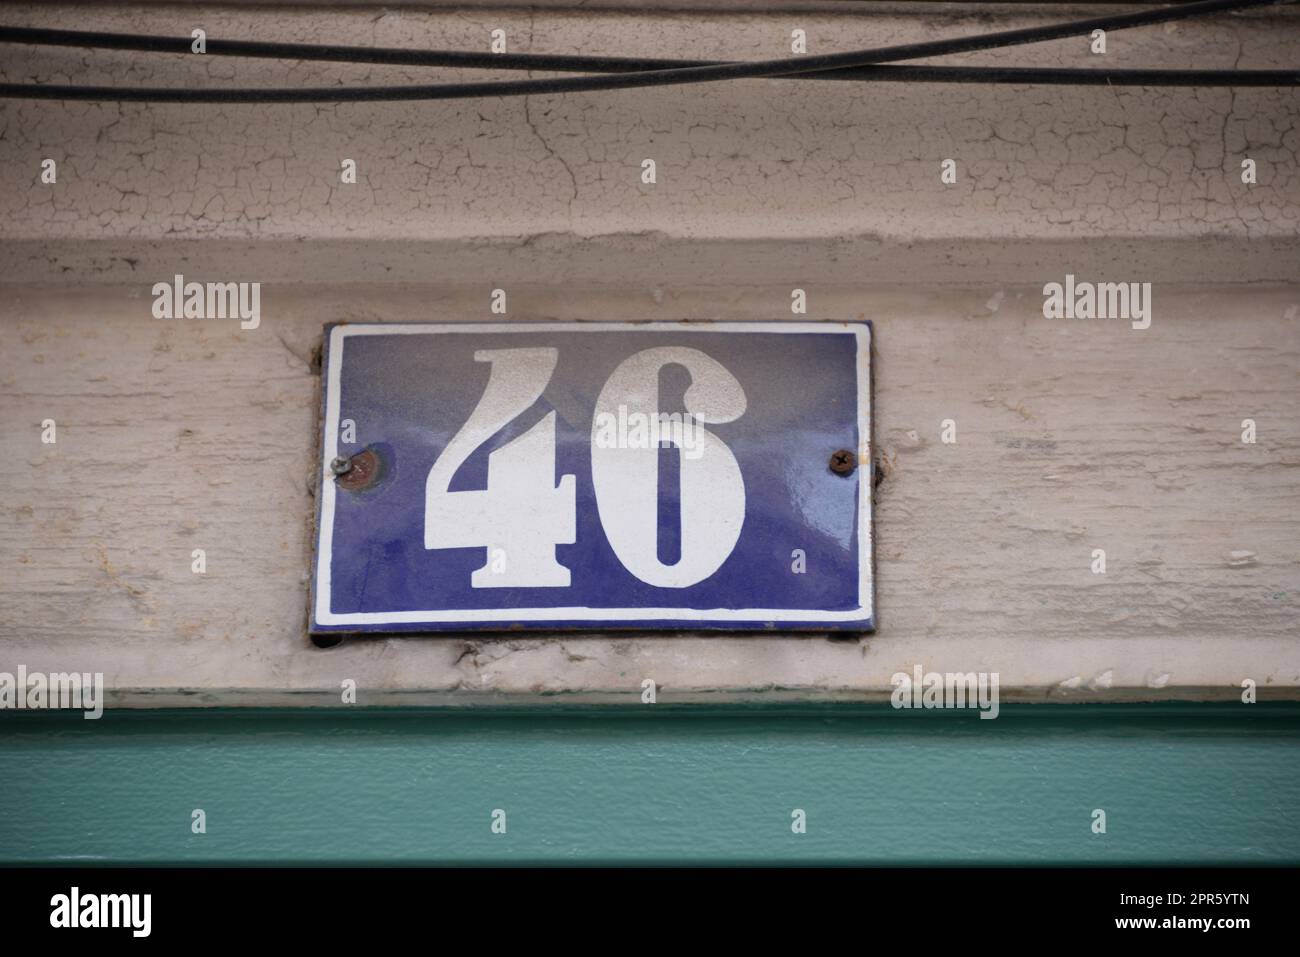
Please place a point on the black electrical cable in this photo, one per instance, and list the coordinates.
(398, 56)
(699, 73)
(1027, 76)
(401, 56)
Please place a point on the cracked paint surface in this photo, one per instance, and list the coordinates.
(453, 196)
(745, 159)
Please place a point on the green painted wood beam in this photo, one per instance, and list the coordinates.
(1179, 784)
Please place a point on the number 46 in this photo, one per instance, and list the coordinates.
(523, 514)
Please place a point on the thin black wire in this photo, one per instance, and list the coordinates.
(900, 74)
(697, 72)
(399, 56)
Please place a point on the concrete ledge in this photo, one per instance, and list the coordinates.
(655, 261)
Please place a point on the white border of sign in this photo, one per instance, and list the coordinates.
(866, 595)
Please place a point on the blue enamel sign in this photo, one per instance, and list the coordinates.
(596, 475)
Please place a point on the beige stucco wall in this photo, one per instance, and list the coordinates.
(763, 158)
(182, 435)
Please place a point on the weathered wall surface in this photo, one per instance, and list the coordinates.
(1072, 435)
(748, 159)
(183, 435)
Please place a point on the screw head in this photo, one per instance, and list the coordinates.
(843, 462)
(341, 466)
(362, 472)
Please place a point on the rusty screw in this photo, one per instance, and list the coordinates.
(843, 462)
(357, 472)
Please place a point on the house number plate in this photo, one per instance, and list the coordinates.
(666, 476)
